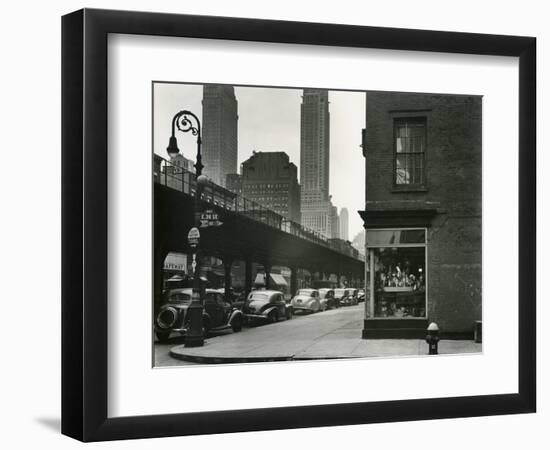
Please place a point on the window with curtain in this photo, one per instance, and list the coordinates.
(410, 151)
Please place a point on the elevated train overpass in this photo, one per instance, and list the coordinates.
(249, 232)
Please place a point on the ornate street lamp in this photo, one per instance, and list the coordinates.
(183, 121)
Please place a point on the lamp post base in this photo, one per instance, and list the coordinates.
(194, 341)
(194, 336)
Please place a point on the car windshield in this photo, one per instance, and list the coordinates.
(258, 297)
(179, 297)
(306, 292)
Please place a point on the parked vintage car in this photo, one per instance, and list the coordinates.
(218, 314)
(326, 297)
(341, 295)
(237, 298)
(352, 295)
(306, 300)
(266, 305)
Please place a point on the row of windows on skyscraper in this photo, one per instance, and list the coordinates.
(269, 178)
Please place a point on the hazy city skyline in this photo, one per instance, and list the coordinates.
(269, 120)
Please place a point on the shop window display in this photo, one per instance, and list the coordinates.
(398, 280)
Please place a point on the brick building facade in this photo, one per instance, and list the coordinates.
(423, 213)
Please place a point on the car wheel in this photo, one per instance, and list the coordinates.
(237, 324)
(162, 336)
(273, 316)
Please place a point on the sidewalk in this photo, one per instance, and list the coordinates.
(327, 335)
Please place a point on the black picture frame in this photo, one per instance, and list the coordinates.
(84, 224)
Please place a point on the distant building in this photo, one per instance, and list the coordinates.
(318, 213)
(219, 132)
(269, 178)
(177, 173)
(344, 224)
(178, 160)
(234, 182)
(334, 222)
(321, 217)
(359, 242)
(314, 146)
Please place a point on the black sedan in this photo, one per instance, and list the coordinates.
(218, 314)
(266, 305)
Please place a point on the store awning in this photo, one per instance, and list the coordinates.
(260, 279)
(276, 278)
(175, 278)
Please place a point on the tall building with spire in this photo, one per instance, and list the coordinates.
(219, 132)
(318, 213)
(344, 224)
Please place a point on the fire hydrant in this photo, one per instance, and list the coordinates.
(432, 338)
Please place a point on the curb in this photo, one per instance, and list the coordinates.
(249, 359)
(227, 359)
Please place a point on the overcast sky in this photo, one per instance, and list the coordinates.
(269, 120)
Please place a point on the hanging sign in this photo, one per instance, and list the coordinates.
(210, 218)
(193, 237)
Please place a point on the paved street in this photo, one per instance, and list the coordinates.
(162, 350)
(331, 334)
(162, 353)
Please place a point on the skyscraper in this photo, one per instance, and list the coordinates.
(219, 131)
(344, 224)
(314, 146)
(318, 213)
(234, 182)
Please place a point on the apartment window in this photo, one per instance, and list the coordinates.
(410, 151)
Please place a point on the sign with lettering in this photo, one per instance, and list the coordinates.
(210, 218)
(175, 261)
(193, 237)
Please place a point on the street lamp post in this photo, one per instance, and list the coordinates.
(183, 121)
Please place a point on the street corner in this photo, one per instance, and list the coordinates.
(211, 353)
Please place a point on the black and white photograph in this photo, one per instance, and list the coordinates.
(312, 224)
(275, 225)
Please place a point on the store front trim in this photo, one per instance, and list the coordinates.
(397, 249)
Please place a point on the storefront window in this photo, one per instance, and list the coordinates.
(397, 278)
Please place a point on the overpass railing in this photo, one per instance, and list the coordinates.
(183, 179)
